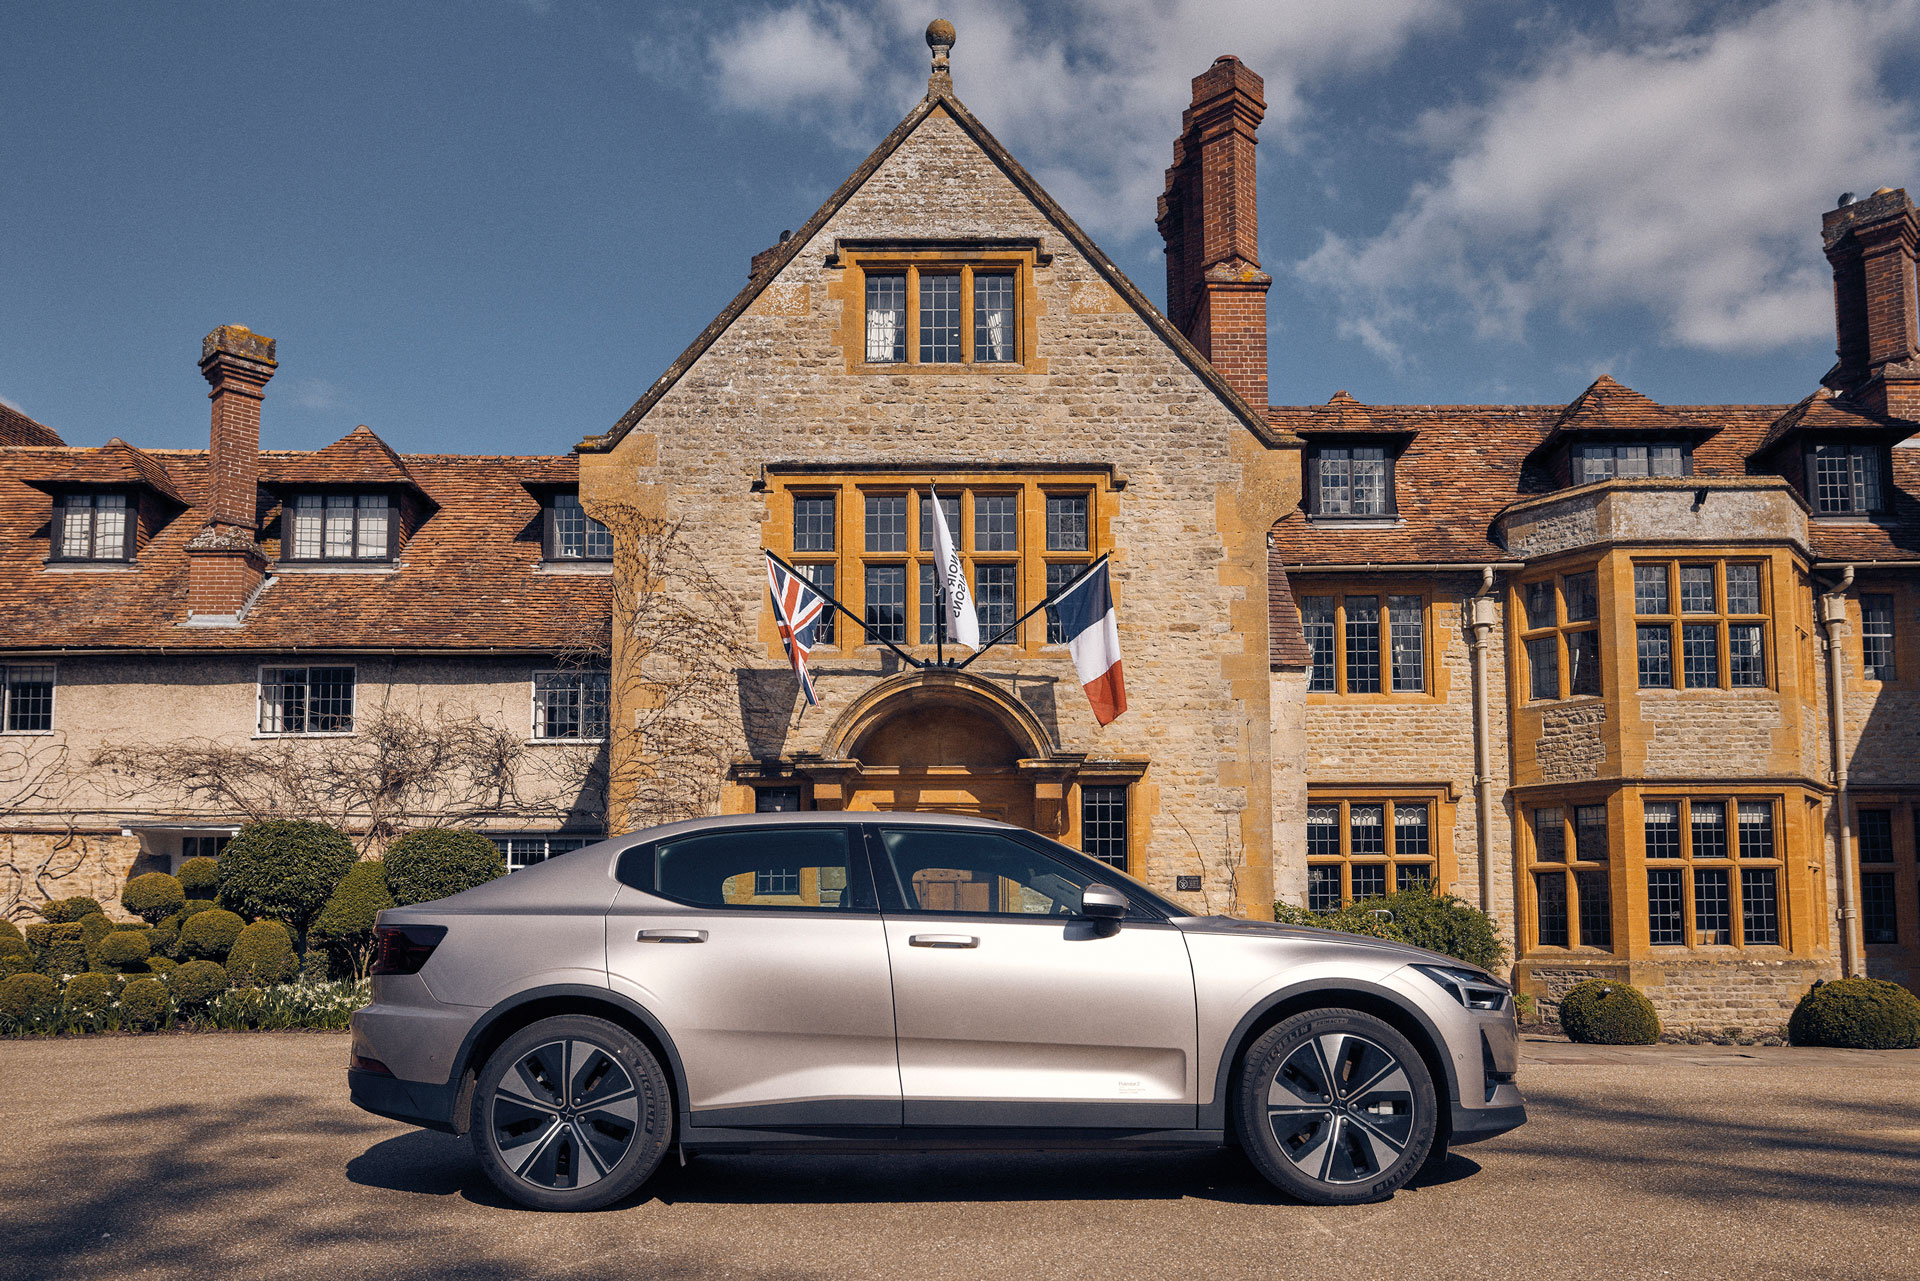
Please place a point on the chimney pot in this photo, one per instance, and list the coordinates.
(1871, 245)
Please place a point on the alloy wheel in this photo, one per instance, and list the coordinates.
(1341, 1107)
(564, 1114)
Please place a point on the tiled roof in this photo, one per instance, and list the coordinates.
(18, 429)
(1342, 415)
(357, 458)
(1611, 407)
(1895, 535)
(1286, 643)
(115, 463)
(469, 578)
(1827, 411)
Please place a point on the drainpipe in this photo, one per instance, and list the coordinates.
(1833, 613)
(1482, 621)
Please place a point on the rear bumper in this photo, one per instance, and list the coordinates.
(415, 1102)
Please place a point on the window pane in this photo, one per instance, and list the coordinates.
(887, 602)
(886, 522)
(1335, 492)
(813, 527)
(1712, 922)
(1582, 597)
(1323, 831)
(1666, 460)
(1323, 888)
(76, 534)
(784, 868)
(29, 699)
(995, 593)
(1407, 635)
(996, 523)
(370, 538)
(1756, 829)
(822, 577)
(1866, 472)
(1746, 655)
(1316, 620)
(1549, 835)
(1700, 655)
(1103, 824)
(1649, 589)
(886, 319)
(1543, 667)
(1630, 460)
(932, 620)
(949, 508)
(1879, 917)
(109, 526)
(556, 706)
(1696, 589)
(1412, 876)
(1655, 646)
(1875, 828)
(1590, 833)
(1363, 644)
(1058, 576)
(1366, 830)
(307, 512)
(1551, 888)
(1596, 908)
(949, 870)
(939, 319)
(1540, 604)
(1662, 828)
(283, 697)
(1665, 922)
(1592, 463)
(1066, 523)
(1876, 636)
(329, 700)
(993, 331)
(1759, 906)
(1369, 880)
(1369, 482)
(569, 527)
(339, 527)
(1743, 589)
(1410, 839)
(1709, 829)
(776, 800)
(1583, 662)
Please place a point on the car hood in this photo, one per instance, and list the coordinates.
(1405, 953)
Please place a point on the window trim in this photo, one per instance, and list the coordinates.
(290, 502)
(1676, 618)
(6, 700)
(1684, 445)
(1894, 596)
(57, 527)
(1881, 481)
(534, 708)
(1733, 864)
(1904, 834)
(961, 258)
(1384, 591)
(1390, 459)
(1560, 629)
(550, 533)
(500, 841)
(1440, 804)
(260, 702)
(859, 865)
(1571, 866)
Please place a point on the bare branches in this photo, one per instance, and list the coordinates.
(32, 773)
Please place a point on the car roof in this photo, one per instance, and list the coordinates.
(790, 818)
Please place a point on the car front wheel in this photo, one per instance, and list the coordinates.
(571, 1113)
(1335, 1107)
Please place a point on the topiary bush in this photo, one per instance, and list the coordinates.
(344, 928)
(437, 861)
(162, 965)
(94, 927)
(1602, 1012)
(196, 983)
(210, 935)
(126, 951)
(283, 870)
(1857, 1014)
(161, 939)
(192, 907)
(65, 911)
(15, 956)
(1438, 922)
(89, 998)
(199, 877)
(61, 949)
(153, 897)
(262, 956)
(8, 930)
(144, 1002)
(28, 1001)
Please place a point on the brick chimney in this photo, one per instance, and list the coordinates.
(225, 565)
(1871, 244)
(1210, 219)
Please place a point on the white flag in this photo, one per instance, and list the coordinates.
(963, 625)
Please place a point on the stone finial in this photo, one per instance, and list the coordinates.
(940, 39)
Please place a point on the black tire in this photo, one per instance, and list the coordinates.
(1343, 1132)
(581, 1147)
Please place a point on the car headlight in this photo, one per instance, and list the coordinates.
(1471, 988)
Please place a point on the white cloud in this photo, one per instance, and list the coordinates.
(1684, 176)
(315, 393)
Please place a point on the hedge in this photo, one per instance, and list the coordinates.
(199, 877)
(61, 950)
(437, 861)
(192, 907)
(197, 982)
(65, 911)
(8, 930)
(1439, 922)
(144, 1003)
(283, 870)
(29, 999)
(15, 956)
(1602, 1012)
(1859, 1014)
(89, 997)
(344, 927)
(125, 951)
(210, 935)
(162, 965)
(153, 897)
(262, 956)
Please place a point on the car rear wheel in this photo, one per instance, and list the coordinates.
(1335, 1107)
(571, 1113)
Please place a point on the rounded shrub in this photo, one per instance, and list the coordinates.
(126, 951)
(344, 928)
(1438, 922)
(144, 1002)
(153, 897)
(162, 965)
(64, 950)
(94, 927)
(211, 934)
(437, 861)
(1602, 1012)
(29, 999)
(15, 956)
(262, 956)
(283, 870)
(160, 939)
(1857, 1014)
(196, 983)
(88, 997)
(199, 877)
(64, 911)
(8, 930)
(191, 907)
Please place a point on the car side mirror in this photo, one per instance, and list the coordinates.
(1103, 903)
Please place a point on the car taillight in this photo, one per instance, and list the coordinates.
(403, 949)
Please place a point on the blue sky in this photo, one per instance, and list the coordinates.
(488, 226)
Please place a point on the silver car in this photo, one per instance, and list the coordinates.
(893, 982)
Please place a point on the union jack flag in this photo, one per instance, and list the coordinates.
(797, 609)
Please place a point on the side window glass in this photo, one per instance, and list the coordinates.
(793, 868)
(977, 873)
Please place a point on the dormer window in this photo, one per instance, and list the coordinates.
(1350, 481)
(340, 527)
(92, 526)
(1604, 462)
(1843, 480)
(573, 535)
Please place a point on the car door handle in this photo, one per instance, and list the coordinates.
(671, 936)
(942, 940)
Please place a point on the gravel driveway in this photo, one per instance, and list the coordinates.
(238, 1156)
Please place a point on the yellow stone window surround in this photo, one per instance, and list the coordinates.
(1396, 856)
(1362, 643)
(965, 259)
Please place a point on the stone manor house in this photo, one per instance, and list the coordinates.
(1642, 680)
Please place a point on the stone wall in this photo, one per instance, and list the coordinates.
(1701, 994)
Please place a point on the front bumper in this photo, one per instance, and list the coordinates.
(1473, 1125)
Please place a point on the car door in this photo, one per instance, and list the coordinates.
(759, 949)
(1012, 1009)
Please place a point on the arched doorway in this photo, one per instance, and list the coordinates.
(942, 757)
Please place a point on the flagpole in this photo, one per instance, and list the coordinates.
(1014, 626)
(909, 659)
(939, 591)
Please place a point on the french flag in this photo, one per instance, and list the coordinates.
(1085, 611)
